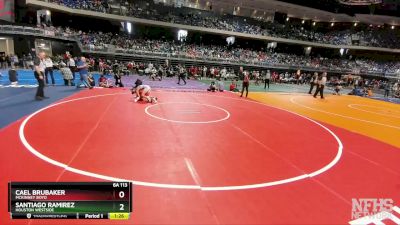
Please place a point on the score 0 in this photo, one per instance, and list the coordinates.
(121, 191)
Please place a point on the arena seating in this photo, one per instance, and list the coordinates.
(100, 42)
(375, 37)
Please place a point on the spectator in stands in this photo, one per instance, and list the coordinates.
(371, 37)
(126, 44)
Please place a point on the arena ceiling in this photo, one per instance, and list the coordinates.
(264, 8)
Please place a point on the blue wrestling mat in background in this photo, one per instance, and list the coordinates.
(26, 77)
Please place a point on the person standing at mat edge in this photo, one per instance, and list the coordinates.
(83, 73)
(313, 82)
(245, 84)
(387, 89)
(320, 86)
(39, 68)
(182, 74)
(49, 70)
(267, 79)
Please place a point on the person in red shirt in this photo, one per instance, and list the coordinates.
(233, 87)
(191, 71)
(195, 72)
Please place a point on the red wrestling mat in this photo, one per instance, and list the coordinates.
(200, 159)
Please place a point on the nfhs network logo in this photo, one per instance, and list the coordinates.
(373, 210)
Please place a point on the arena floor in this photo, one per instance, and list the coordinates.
(212, 158)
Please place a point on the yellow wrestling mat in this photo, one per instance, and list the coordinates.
(376, 119)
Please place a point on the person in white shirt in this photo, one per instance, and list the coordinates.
(220, 85)
(320, 86)
(39, 68)
(49, 70)
(72, 66)
(267, 79)
(313, 82)
(14, 60)
(182, 74)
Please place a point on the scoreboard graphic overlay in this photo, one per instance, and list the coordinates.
(70, 200)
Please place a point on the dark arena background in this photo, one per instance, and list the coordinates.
(7, 10)
(199, 112)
